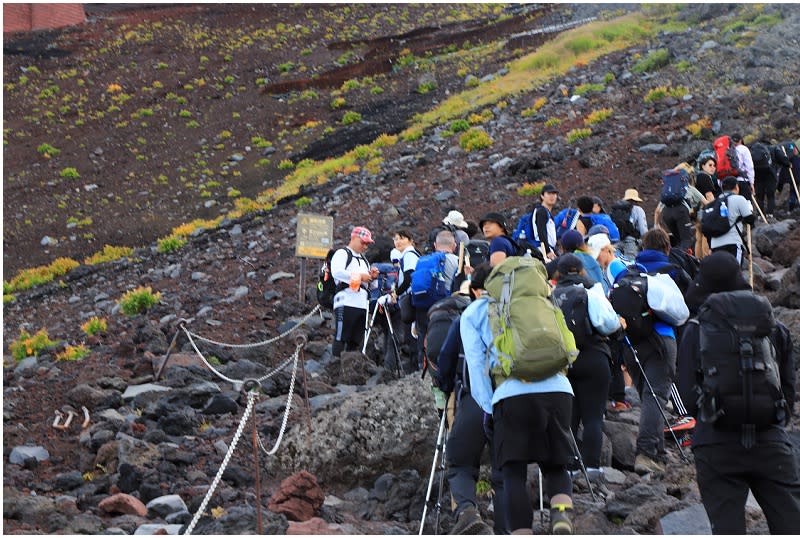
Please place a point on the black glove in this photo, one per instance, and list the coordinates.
(488, 425)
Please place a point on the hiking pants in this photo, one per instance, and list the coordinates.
(745, 189)
(765, 188)
(616, 388)
(679, 225)
(515, 478)
(657, 355)
(736, 250)
(350, 323)
(726, 471)
(422, 330)
(590, 377)
(464, 448)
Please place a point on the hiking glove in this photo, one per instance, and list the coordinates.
(488, 425)
(439, 398)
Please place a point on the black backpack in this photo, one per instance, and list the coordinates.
(675, 184)
(429, 246)
(477, 250)
(326, 285)
(628, 296)
(621, 215)
(712, 222)
(573, 300)
(440, 317)
(741, 386)
(761, 154)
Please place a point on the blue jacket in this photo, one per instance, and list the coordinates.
(653, 260)
(477, 339)
(593, 269)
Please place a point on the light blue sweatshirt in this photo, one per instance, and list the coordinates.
(476, 335)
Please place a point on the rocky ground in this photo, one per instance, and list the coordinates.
(148, 455)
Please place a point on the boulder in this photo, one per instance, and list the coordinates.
(122, 503)
(298, 498)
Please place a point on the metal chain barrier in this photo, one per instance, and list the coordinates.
(257, 344)
(251, 398)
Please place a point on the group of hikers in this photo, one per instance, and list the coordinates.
(532, 334)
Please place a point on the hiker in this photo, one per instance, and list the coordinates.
(466, 440)
(657, 354)
(631, 222)
(591, 318)
(454, 222)
(404, 243)
(591, 214)
(528, 421)
(612, 267)
(746, 170)
(706, 176)
(445, 243)
(739, 212)
(787, 160)
(731, 459)
(351, 303)
(572, 242)
(495, 230)
(678, 219)
(544, 227)
(765, 177)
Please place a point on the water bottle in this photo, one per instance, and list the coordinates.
(723, 209)
(522, 236)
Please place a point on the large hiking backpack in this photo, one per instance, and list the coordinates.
(428, 283)
(565, 220)
(762, 155)
(621, 214)
(429, 245)
(605, 219)
(384, 282)
(326, 285)
(674, 186)
(440, 317)
(714, 220)
(727, 160)
(573, 300)
(530, 334)
(741, 386)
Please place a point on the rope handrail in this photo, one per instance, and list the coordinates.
(286, 411)
(256, 344)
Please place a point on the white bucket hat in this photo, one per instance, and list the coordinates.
(455, 218)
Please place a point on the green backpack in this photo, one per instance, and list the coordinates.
(531, 336)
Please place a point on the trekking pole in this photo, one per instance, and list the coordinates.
(755, 203)
(791, 173)
(580, 461)
(653, 393)
(398, 366)
(442, 467)
(541, 495)
(439, 444)
(750, 254)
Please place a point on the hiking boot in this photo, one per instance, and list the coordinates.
(645, 464)
(470, 522)
(616, 407)
(560, 519)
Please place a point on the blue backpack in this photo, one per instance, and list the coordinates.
(563, 220)
(606, 220)
(525, 224)
(428, 283)
(675, 185)
(383, 284)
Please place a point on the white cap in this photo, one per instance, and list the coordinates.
(597, 243)
(456, 219)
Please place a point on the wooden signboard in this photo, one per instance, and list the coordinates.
(314, 235)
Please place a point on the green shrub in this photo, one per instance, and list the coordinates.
(530, 189)
(70, 172)
(583, 89)
(577, 134)
(458, 126)
(29, 345)
(475, 138)
(654, 61)
(94, 326)
(138, 301)
(351, 117)
(338, 102)
(552, 122)
(170, 243)
(109, 253)
(285, 164)
(73, 353)
(302, 201)
(596, 116)
(47, 149)
(426, 87)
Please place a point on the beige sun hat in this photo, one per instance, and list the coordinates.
(455, 218)
(632, 194)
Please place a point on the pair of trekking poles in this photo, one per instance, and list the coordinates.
(381, 304)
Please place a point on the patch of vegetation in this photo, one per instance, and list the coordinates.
(426, 87)
(73, 353)
(95, 326)
(661, 92)
(350, 117)
(596, 116)
(552, 122)
(457, 126)
(530, 189)
(474, 139)
(69, 173)
(108, 254)
(577, 134)
(655, 60)
(171, 243)
(583, 89)
(46, 150)
(697, 127)
(303, 201)
(30, 345)
(138, 301)
(36, 276)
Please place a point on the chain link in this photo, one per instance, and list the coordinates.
(257, 344)
(251, 398)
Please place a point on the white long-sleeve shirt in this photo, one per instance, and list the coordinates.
(340, 270)
(746, 169)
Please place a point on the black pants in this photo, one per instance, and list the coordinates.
(725, 472)
(616, 389)
(464, 448)
(350, 323)
(422, 329)
(679, 224)
(737, 251)
(590, 377)
(765, 189)
(745, 189)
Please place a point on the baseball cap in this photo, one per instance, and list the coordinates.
(597, 229)
(597, 243)
(456, 218)
(571, 240)
(549, 188)
(362, 233)
(569, 263)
